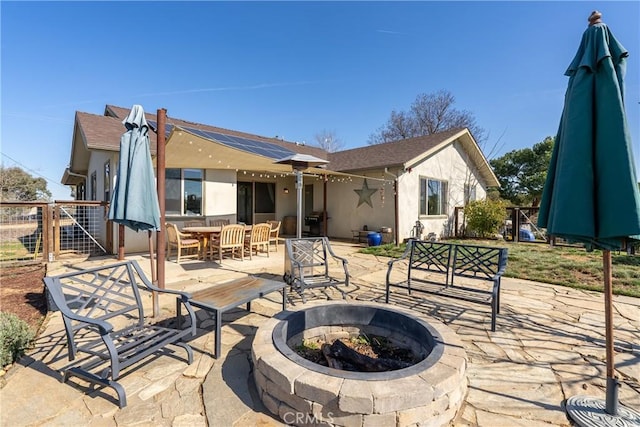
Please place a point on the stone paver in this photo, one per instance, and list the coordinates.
(549, 345)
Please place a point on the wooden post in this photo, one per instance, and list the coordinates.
(324, 206)
(161, 175)
(120, 242)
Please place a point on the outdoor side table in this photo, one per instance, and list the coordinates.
(222, 297)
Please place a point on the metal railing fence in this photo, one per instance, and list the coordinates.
(49, 231)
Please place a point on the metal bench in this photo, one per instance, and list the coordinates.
(306, 265)
(472, 265)
(102, 310)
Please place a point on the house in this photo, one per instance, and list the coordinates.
(219, 173)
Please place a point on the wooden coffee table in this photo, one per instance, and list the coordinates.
(222, 297)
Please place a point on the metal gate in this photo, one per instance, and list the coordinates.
(49, 231)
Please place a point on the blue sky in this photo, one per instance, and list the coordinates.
(292, 68)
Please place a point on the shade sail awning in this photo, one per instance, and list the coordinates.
(185, 149)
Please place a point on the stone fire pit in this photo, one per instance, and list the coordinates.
(301, 392)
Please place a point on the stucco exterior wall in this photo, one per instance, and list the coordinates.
(344, 212)
(220, 194)
(451, 164)
(285, 202)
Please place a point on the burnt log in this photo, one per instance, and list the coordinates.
(332, 362)
(360, 362)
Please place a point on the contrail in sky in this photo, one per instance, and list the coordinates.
(187, 91)
(228, 88)
(389, 32)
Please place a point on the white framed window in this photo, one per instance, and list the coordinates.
(107, 181)
(183, 192)
(94, 185)
(433, 197)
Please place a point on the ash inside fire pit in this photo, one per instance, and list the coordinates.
(360, 353)
(346, 322)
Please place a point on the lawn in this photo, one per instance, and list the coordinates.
(14, 250)
(559, 265)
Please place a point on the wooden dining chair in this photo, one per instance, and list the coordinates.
(231, 239)
(258, 239)
(274, 233)
(195, 223)
(181, 241)
(218, 222)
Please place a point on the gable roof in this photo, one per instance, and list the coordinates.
(389, 154)
(408, 152)
(103, 132)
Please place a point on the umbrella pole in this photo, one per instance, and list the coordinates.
(612, 382)
(120, 242)
(154, 279)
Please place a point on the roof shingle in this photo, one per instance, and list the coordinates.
(389, 154)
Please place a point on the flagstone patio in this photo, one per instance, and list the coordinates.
(549, 345)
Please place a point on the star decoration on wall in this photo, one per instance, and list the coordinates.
(365, 193)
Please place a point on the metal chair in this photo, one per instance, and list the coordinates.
(181, 241)
(306, 265)
(258, 239)
(104, 319)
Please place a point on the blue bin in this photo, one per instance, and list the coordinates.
(374, 238)
(526, 235)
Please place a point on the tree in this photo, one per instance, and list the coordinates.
(522, 173)
(429, 114)
(328, 141)
(16, 184)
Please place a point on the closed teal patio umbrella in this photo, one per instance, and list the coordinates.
(591, 192)
(135, 200)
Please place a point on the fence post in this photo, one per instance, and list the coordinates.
(455, 220)
(56, 231)
(515, 225)
(47, 230)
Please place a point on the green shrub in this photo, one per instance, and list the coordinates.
(484, 217)
(15, 338)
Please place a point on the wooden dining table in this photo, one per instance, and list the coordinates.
(208, 232)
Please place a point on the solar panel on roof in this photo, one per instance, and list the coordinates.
(249, 145)
(167, 127)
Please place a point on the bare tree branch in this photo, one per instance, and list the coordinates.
(429, 114)
(328, 141)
